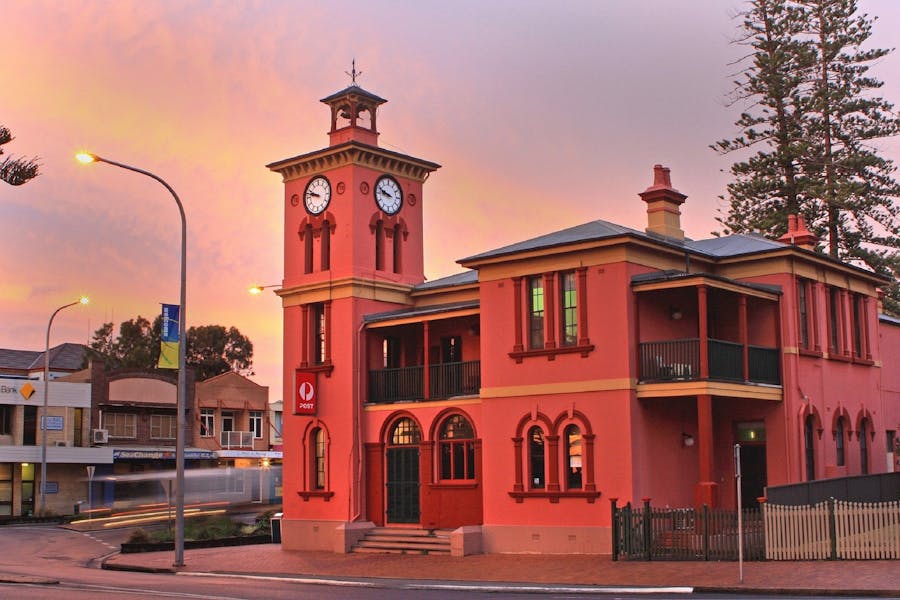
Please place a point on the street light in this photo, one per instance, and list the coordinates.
(45, 421)
(87, 157)
(256, 290)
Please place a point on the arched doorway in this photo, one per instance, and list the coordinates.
(402, 457)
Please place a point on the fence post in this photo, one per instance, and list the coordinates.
(705, 532)
(615, 528)
(832, 529)
(648, 524)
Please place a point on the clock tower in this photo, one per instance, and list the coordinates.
(353, 245)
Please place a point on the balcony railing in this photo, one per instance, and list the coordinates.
(407, 383)
(677, 360)
(236, 439)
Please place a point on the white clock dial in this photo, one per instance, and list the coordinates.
(317, 195)
(388, 194)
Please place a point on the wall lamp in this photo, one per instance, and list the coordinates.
(687, 440)
(675, 313)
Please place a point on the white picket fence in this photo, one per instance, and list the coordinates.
(861, 530)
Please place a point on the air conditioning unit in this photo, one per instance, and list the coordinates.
(99, 436)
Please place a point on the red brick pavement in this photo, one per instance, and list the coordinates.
(269, 559)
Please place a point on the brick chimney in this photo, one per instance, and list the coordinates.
(798, 234)
(663, 202)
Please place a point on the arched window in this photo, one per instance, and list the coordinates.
(308, 248)
(573, 458)
(536, 458)
(405, 432)
(456, 447)
(317, 453)
(379, 245)
(808, 443)
(863, 434)
(839, 443)
(325, 245)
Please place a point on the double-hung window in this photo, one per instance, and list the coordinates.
(536, 312)
(568, 306)
(207, 422)
(256, 424)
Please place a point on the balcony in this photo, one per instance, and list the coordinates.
(407, 384)
(679, 360)
(236, 439)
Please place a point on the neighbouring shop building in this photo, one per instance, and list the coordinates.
(514, 400)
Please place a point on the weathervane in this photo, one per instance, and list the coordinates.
(353, 73)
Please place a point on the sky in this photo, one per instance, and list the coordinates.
(543, 115)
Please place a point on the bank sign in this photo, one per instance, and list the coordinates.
(306, 398)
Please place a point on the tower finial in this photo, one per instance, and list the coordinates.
(353, 73)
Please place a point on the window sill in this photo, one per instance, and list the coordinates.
(839, 357)
(451, 485)
(306, 495)
(812, 353)
(584, 349)
(554, 497)
(863, 361)
(326, 368)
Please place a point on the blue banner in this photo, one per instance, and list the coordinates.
(169, 343)
(170, 323)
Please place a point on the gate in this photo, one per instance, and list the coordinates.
(403, 485)
(648, 533)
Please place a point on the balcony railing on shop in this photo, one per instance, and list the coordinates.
(237, 439)
(408, 383)
(675, 360)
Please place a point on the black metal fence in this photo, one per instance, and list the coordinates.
(880, 487)
(648, 533)
(674, 360)
(407, 383)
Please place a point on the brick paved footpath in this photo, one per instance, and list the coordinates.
(832, 577)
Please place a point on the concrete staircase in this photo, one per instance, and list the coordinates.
(397, 540)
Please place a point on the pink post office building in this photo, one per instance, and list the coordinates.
(510, 403)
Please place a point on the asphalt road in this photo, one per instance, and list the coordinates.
(50, 562)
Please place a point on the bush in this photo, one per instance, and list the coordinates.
(138, 536)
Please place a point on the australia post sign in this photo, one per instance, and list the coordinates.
(306, 396)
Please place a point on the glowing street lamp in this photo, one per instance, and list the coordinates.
(256, 290)
(87, 157)
(44, 419)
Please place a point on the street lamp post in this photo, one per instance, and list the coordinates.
(44, 420)
(86, 157)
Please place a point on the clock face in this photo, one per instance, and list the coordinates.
(388, 195)
(317, 195)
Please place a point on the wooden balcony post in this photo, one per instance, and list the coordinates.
(742, 333)
(703, 331)
(426, 370)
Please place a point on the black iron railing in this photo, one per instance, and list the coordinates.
(646, 533)
(675, 360)
(407, 383)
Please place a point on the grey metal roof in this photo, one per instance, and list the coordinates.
(889, 319)
(734, 245)
(595, 230)
(673, 275)
(354, 89)
(464, 278)
(420, 311)
(64, 357)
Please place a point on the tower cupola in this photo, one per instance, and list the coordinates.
(353, 111)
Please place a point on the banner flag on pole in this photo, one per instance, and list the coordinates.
(169, 342)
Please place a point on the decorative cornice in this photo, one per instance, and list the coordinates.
(354, 153)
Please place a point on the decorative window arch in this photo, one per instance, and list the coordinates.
(456, 448)
(312, 228)
(315, 475)
(554, 459)
(404, 431)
